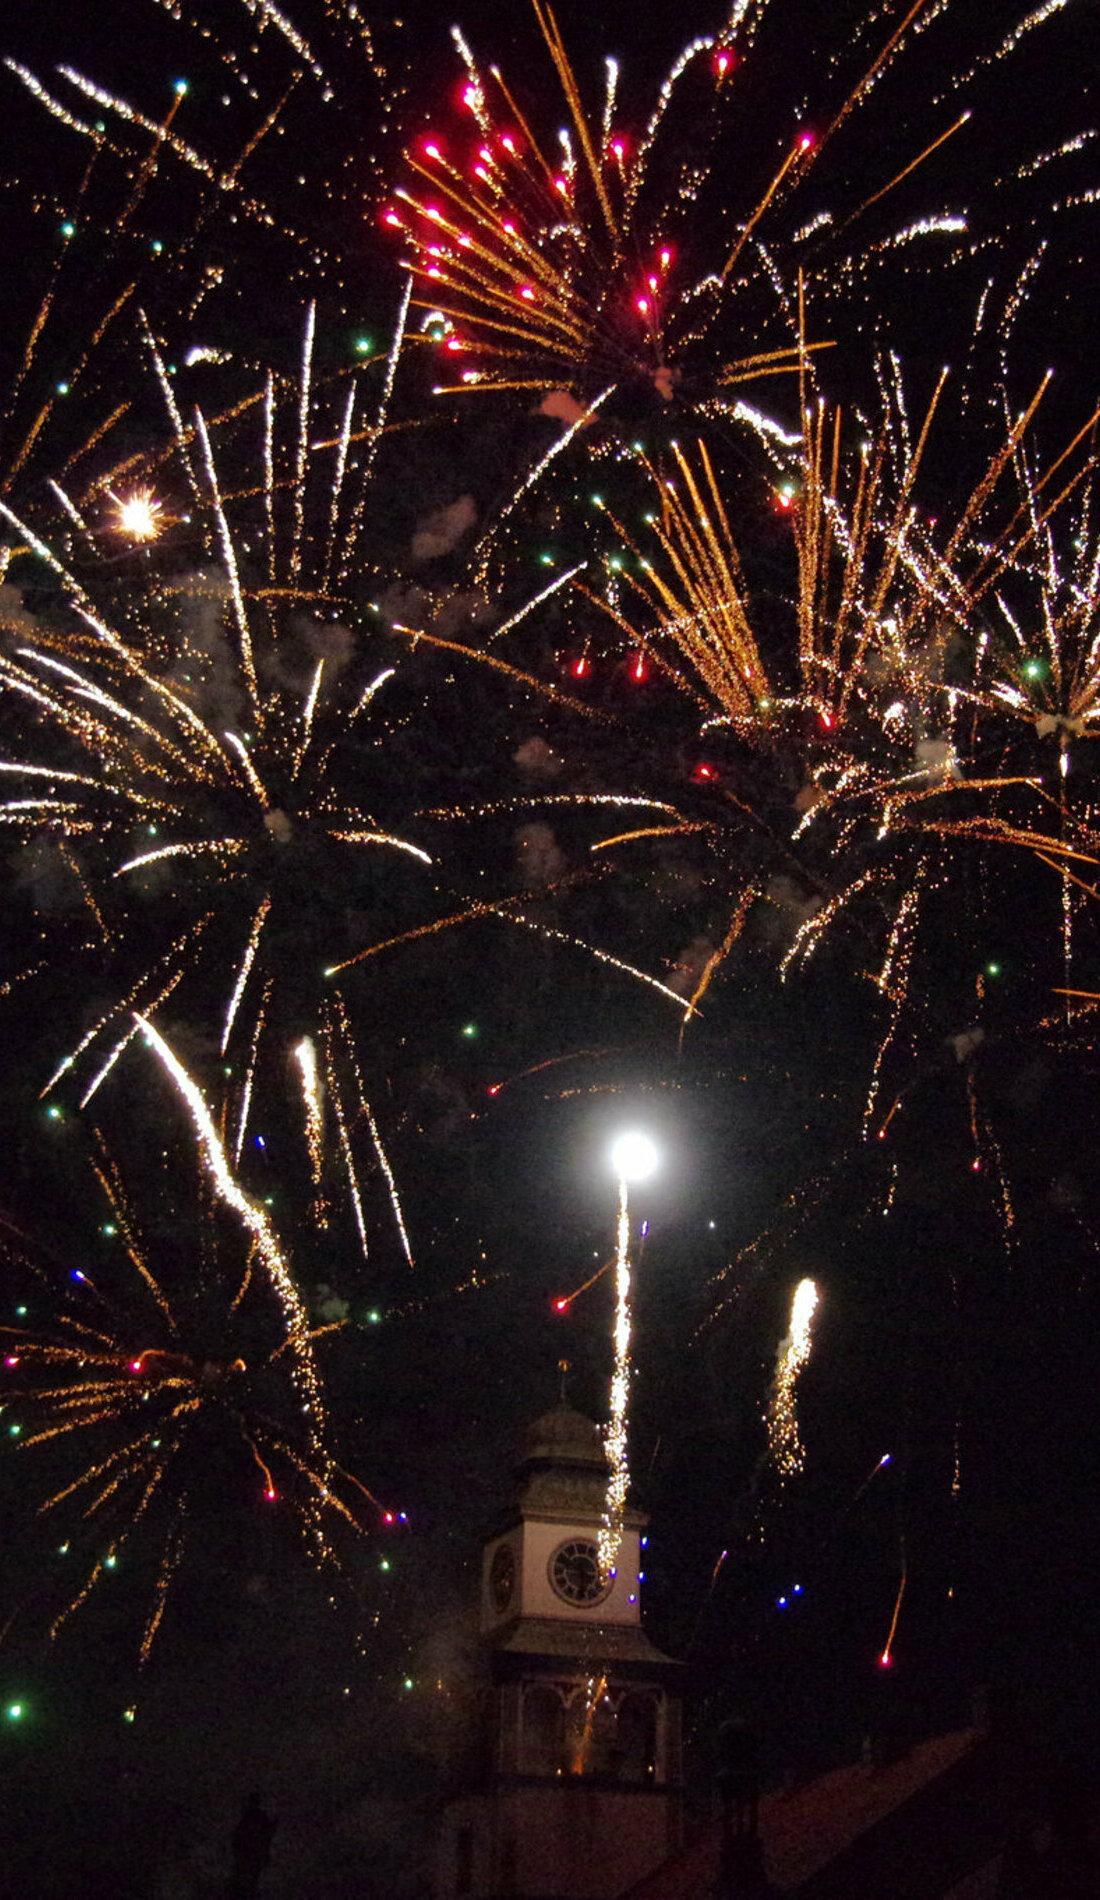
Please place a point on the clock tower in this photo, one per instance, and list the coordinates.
(572, 1791)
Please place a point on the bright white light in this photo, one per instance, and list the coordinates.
(138, 515)
(633, 1155)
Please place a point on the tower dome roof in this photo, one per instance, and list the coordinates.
(563, 1436)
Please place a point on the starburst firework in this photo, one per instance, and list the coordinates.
(844, 751)
(574, 261)
(180, 1358)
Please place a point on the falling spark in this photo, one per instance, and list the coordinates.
(784, 1441)
(254, 1220)
(886, 1658)
(305, 1055)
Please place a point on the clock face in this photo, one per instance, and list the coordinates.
(575, 1573)
(502, 1576)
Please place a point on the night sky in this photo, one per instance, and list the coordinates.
(961, 1342)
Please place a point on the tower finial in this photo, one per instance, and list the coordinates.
(564, 1369)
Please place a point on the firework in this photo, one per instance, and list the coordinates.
(886, 1658)
(200, 741)
(180, 1352)
(567, 262)
(857, 703)
(782, 1417)
(177, 197)
(611, 1529)
(225, 766)
(139, 516)
(546, 266)
(1039, 665)
(204, 727)
(633, 1158)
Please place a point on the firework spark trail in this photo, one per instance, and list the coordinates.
(49, 329)
(887, 1656)
(123, 1007)
(552, 693)
(702, 606)
(1019, 31)
(337, 482)
(367, 1113)
(595, 1690)
(391, 1183)
(537, 600)
(355, 1192)
(809, 934)
(610, 1536)
(110, 1180)
(167, 144)
(171, 1559)
(302, 461)
(247, 961)
(305, 1055)
(601, 956)
(564, 1301)
(229, 556)
(392, 360)
(535, 801)
(714, 962)
(256, 1223)
(164, 383)
(53, 105)
(526, 483)
(126, 1039)
(245, 1102)
(893, 981)
(784, 1441)
(650, 831)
